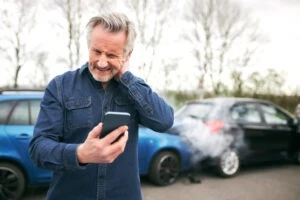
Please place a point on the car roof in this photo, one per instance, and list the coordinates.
(227, 100)
(20, 94)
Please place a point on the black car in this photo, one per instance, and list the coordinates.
(228, 131)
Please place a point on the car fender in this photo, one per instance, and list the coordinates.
(154, 142)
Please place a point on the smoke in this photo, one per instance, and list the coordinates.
(203, 142)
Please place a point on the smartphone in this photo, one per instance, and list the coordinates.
(113, 120)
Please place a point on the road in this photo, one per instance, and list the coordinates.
(272, 181)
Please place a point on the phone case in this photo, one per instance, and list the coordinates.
(113, 120)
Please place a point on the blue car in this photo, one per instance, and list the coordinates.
(162, 156)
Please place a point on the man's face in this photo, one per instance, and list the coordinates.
(106, 54)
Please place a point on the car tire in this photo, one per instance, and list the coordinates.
(165, 168)
(228, 163)
(12, 181)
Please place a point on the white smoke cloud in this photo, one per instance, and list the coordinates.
(203, 143)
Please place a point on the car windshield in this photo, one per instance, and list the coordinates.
(195, 110)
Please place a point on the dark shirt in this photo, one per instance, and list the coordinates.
(72, 105)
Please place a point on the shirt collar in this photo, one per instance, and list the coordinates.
(84, 67)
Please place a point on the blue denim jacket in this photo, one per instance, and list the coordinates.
(73, 104)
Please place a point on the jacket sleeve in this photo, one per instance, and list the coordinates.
(45, 148)
(154, 112)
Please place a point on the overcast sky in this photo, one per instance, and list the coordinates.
(280, 20)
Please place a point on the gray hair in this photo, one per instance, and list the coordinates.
(114, 22)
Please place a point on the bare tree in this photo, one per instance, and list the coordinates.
(72, 12)
(220, 35)
(243, 61)
(200, 16)
(151, 20)
(168, 72)
(73, 26)
(40, 75)
(274, 81)
(270, 83)
(17, 22)
(255, 83)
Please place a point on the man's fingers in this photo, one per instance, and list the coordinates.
(95, 132)
(124, 138)
(112, 136)
(118, 147)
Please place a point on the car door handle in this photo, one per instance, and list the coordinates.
(23, 136)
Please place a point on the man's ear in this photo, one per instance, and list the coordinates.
(126, 58)
(128, 55)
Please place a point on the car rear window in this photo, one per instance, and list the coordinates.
(20, 114)
(197, 111)
(5, 107)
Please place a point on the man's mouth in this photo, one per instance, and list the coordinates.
(102, 68)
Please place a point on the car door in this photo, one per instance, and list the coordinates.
(5, 143)
(278, 130)
(249, 119)
(19, 129)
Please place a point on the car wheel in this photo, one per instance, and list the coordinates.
(165, 168)
(12, 181)
(229, 163)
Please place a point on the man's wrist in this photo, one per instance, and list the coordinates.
(79, 155)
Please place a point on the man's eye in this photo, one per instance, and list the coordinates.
(112, 56)
(97, 52)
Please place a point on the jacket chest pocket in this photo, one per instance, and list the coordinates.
(123, 104)
(79, 112)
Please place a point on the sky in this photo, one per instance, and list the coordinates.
(279, 21)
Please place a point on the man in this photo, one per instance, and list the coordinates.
(66, 136)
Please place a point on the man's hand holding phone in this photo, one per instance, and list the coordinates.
(105, 150)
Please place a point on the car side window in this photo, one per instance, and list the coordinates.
(245, 113)
(273, 115)
(20, 114)
(5, 108)
(34, 110)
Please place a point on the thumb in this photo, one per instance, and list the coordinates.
(95, 132)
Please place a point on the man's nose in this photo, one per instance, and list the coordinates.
(102, 61)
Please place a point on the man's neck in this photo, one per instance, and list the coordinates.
(104, 85)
